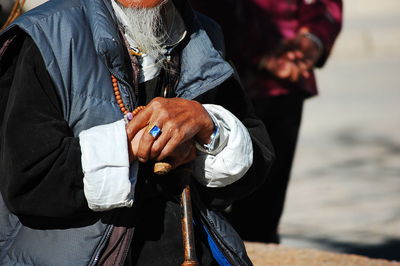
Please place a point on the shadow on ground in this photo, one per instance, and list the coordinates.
(389, 249)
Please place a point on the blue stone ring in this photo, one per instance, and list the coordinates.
(154, 130)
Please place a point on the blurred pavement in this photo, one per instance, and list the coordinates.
(345, 190)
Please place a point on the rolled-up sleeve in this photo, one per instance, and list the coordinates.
(231, 158)
(105, 165)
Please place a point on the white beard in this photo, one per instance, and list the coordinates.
(145, 27)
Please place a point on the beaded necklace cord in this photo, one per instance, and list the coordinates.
(127, 114)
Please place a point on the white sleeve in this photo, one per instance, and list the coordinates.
(232, 156)
(105, 165)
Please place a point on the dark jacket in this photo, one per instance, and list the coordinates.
(80, 46)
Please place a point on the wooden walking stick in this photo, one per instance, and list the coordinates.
(184, 174)
(190, 257)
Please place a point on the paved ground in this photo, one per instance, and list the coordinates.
(345, 191)
(279, 255)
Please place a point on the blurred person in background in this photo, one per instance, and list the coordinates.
(275, 45)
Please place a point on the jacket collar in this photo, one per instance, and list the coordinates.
(202, 68)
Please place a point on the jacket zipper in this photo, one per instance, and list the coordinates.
(101, 245)
(170, 87)
(165, 90)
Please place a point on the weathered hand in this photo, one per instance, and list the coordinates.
(180, 120)
(183, 153)
(284, 66)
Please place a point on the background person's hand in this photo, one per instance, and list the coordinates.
(294, 59)
(286, 65)
(180, 120)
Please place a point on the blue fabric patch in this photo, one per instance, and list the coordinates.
(217, 254)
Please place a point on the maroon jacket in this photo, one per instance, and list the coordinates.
(253, 28)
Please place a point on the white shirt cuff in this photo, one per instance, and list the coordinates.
(232, 157)
(105, 165)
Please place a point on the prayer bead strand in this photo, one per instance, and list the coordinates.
(128, 115)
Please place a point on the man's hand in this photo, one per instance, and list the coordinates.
(294, 59)
(180, 120)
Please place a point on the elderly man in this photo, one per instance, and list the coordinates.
(82, 123)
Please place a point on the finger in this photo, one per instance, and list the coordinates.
(302, 66)
(291, 55)
(159, 144)
(138, 122)
(294, 74)
(134, 144)
(178, 161)
(284, 69)
(131, 154)
(149, 136)
(169, 147)
(306, 74)
(184, 154)
(303, 69)
(298, 54)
